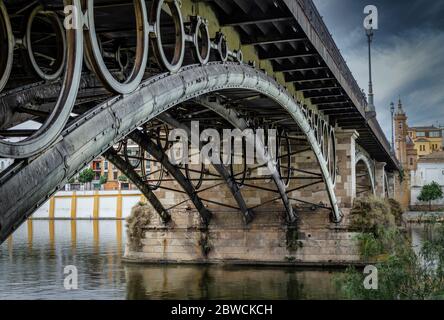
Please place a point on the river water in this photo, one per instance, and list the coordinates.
(33, 260)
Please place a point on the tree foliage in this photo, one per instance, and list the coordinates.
(431, 192)
(103, 179)
(86, 176)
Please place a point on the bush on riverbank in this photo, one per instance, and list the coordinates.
(137, 223)
(369, 214)
(402, 273)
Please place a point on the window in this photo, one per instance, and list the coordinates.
(411, 161)
(435, 134)
(115, 175)
(105, 165)
(420, 134)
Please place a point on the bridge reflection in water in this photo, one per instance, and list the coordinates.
(33, 259)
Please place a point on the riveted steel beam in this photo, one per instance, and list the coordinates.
(241, 21)
(247, 213)
(273, 39)
(129, 171)
(145, 142)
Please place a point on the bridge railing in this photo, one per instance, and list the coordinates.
(321, 29)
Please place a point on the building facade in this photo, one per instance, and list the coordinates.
(420, 151)
(406, 154)
(426, 139)
(107, 177)
(430, 169)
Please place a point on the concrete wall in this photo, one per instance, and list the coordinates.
(80, 205)
(267, 240)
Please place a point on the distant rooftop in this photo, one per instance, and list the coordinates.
(433, 157)
(424, 128)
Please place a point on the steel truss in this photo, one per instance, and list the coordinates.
(129, 171)
(229, 180)
(145, 142)
(104, 126)
(241, 124)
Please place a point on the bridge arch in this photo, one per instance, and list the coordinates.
(108, 123)
(365, 177)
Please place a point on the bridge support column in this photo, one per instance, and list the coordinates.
(346, 179)
(380, 186)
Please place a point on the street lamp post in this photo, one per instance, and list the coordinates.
(371, 104)
(392, 110)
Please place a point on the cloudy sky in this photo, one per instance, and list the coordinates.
(408, 53)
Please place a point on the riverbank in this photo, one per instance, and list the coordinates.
(423, 217)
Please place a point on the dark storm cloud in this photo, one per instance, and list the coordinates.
(408, 53)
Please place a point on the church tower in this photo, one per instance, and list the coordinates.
(401, 134)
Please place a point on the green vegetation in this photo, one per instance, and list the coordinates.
(402, 273)
(103, 180)
(369, 214)
(431, 192)
(86, 176)
(123, 178)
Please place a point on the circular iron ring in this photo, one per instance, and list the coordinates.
(332, 161)
(54, 124)
(7, 50)
(94, 52)
(222, 46)
(201, 52)
(60, 38)
(179, 49)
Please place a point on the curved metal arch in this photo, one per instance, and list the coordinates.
(129, 171)
(240, 123)
(102, 127)
(362, 157)
(386, 185)
(144, 141)
(221, 170)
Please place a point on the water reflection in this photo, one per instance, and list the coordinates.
(216, 282)
(33, 259)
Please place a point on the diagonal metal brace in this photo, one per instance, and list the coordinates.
(145, 142)
(126, 168)
(247, 213)
(240, 123)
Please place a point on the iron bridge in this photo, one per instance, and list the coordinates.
(81, 78)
